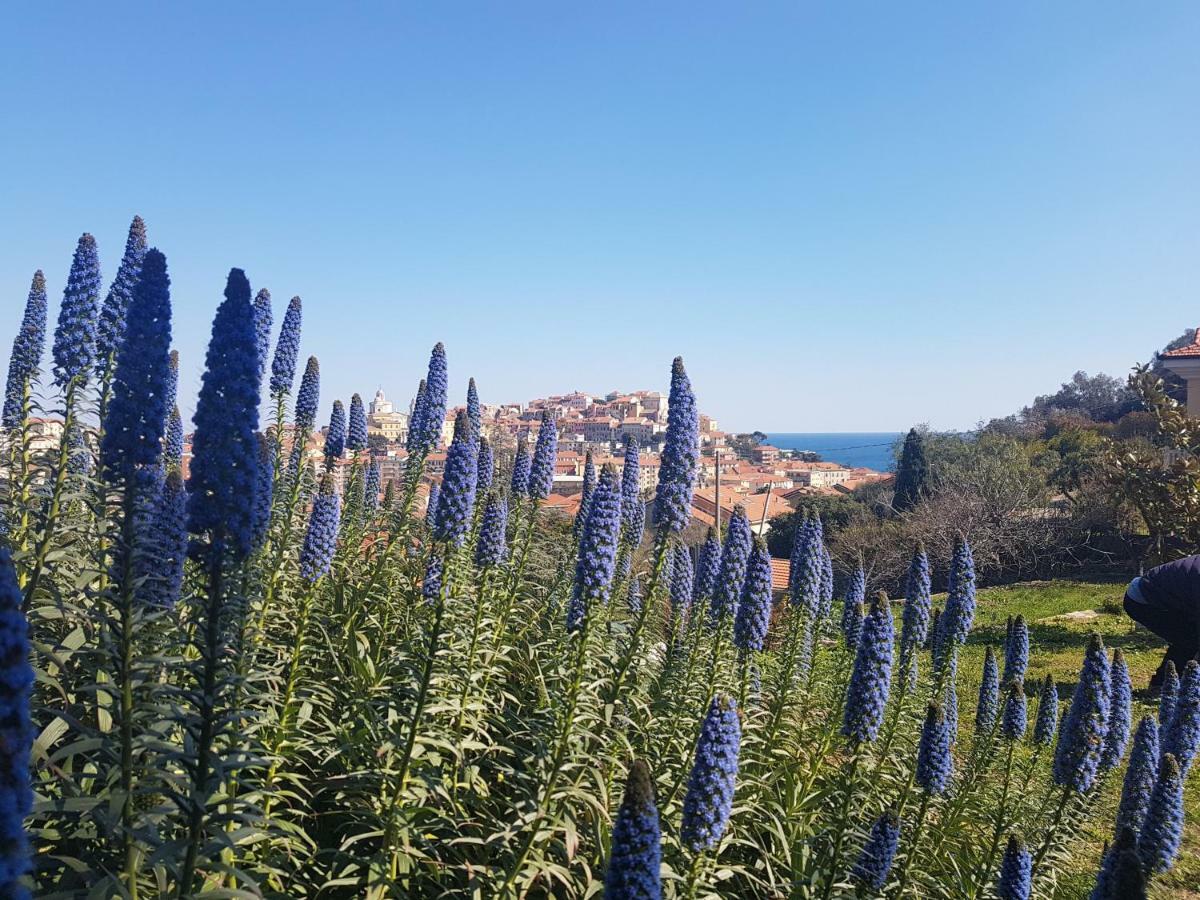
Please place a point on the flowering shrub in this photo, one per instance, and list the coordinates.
(290, 680)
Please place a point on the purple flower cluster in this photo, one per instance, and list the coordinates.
(852, 606)
(707, 566)
(680, 455)
(871, 677)
(1162, 832)
(1046, 723)
(1182, 737)
(1016, 872)
(636, 856)
(935, 766)
(110, 327)
(732, 574)
(1140, 776)
(26, 350)
(519, 483)
(308, 397)
(633, 511)
(491, 550)
(287, 351)
(1081, 737)
(682, 578)
(335, 435)
(225, 446)
(135, 419)
(1016, 650)
(75, 336)
(806, 569)
(1016, 712)
(320, 540)
(16, 733)
(875, 861)
(262, 328)
(356, 427)
(485, 467)
(1120, 713)
(754, 612)
(597, 554)
(989, 695)
(541, 470)
(456, 503)
(713, 778)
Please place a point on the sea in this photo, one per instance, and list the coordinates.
(872, 449)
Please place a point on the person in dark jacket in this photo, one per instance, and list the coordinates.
(1166, 600)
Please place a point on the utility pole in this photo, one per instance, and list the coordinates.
(717, 472)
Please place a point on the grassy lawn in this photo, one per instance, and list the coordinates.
(1061, 616)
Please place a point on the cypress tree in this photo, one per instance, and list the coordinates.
(912, 474)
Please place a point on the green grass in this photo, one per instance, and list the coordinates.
(1057, 642)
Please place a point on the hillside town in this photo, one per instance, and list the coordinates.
(767, 481)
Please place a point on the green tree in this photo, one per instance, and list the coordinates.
(912, 474)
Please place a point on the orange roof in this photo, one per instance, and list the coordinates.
(1192, 349)
(779, 575)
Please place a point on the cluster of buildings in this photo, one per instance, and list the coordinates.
(769, 483)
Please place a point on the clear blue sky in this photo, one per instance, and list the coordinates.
(844, 216)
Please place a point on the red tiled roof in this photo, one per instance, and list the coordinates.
(1193, 349)
(779, 575)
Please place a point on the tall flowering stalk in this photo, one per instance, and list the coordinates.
(541, 470)
(110, 326)
(956, 619)
(519, 480)
(263, 320)
(1167, 698)
(596, 560)
(1081, 739)
(1016, 650)
(680, 456)
(852, 606)
(682, 585)
(356, 426)
(1120, 715)
(456, 501)
(23, 365)
(754, 611)
(130, 452)
(708, 566)
(585, 496)
(1016, 872)
(485, 467)
(633, 512)
(635, 860)
(283, 374)
(223, 475)
(74, 354)
(335, 436)
(933, 773)
(875, 861)
(1162, 831)
(870, 679)
(1182, 736)
(709, 799)
(731, 575)
(989, 695)
(1140, 777)
(863, 711)
(16, 734)
(316, 559)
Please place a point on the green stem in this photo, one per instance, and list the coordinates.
(34, 572)
(905, 866)
(835, 853)
(998, 828)
(211, 653)
(562, 744)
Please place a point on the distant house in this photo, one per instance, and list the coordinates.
(1185, 362)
